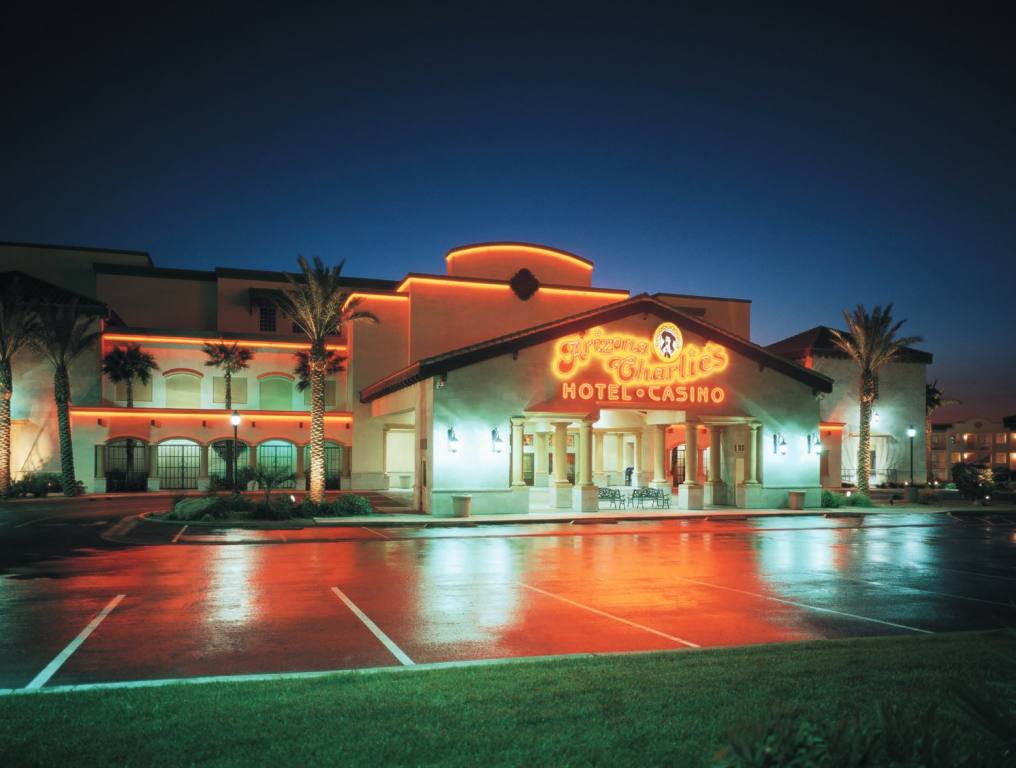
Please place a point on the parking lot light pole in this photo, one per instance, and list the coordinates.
(911, 491)
(235, 421)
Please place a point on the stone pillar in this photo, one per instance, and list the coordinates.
(659, 448)
(585, 494)
(639, 475)
(561, 490)
(689, 493)
(714, 485)
(517, 443)
(204, 483)
(750, 494)
(541, 475)
(599, 476)
(153, 467)
(301, 478)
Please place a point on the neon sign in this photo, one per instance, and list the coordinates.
(661, 369)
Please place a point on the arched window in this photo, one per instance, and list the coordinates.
(279, 455)
(179, 462)
(126, 465)
(183, 390)
(333, 465)
(276, 394)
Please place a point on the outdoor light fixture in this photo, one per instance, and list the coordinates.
(235, 419)
(874, 418)
(495, 441)
(911, 433)
(814, 444)
(779, 445)
(453, 441)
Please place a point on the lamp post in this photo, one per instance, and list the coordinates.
(911, 490)
(234, 419)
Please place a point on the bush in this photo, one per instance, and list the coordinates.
(928, 497)
(351, 505)
(858, 500)
(39, 484)
(884, 735)
(277, 508)
(973, 480)
(832, 500)
(195, 508)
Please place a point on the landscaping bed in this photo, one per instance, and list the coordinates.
(226, 508)
(876, 701)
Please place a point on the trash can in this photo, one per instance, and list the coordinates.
(795, 499)
(460, 505)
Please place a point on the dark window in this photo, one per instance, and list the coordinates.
(267, 320)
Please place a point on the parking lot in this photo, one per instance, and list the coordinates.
(405, 596)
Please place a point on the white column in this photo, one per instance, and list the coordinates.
(714, 486)
(659, 448)
(561, 491)
(540, 464)
(599, 477)
(517, 443)
(752, 451)
(689, 493)
(637, 478)
(585, 495)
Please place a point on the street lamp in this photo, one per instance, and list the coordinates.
(234, 419)
(912, 492)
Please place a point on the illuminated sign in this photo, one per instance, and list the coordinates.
(660, 369)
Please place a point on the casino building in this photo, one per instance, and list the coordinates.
(508, 377)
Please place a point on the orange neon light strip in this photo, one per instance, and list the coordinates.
(832, 427)
(192, 340)
(373, 296)
(155, 413)
(518, 247)
(586, 292)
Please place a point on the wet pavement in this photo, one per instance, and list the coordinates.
(362, 597)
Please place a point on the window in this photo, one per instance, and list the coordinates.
(1000, 438)
(142, 392)
(276, 394)
(957, 458)
(984, 439)
(183, 390)
(238, 385)
(267, 319)
(331, 394)
(1000, 459)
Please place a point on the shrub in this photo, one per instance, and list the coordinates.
(310, 508)
(235, 503)
(858, 500)
(928, 497)
(973, 480)
(195, 508)
(351, 505)
(832, 500)
(886, 734)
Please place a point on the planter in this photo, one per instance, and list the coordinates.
(795, 500)
(460, 505)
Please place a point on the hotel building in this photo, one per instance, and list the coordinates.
(506, 376)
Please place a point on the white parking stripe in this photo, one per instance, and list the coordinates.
(178, 535)
(40, 679)
(597, 611)
(397, 652)
(805, 605)
(929, 592)
(377, 533)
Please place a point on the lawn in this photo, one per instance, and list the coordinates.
(663, 709)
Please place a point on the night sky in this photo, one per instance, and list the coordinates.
(806, 162)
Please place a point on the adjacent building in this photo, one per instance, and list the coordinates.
(974, 441)
(507, 376)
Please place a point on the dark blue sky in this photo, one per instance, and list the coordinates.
(806, 162)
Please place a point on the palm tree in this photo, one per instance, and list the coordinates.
(317, 304)
(933, 400)
(125, 364)
(17, 325)
(64, 332)
(230, 359)
(871, 341)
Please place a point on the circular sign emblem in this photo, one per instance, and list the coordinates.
(667, 342)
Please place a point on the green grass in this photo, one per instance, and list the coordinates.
(664, 709)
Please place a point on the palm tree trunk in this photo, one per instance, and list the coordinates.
(864, 433)
(316, 491)
(6, 391)
(62, 392)
(130, 392)
(228, 381)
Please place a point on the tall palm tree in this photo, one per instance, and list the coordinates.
(127, 364)
(230, 359)
(64, 332)
(17, 325)
(871, 341)
(317, 303)
(934, 399)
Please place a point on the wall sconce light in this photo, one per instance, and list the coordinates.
(453, 440)
(911, 432)
(814, 444)
(779, 445)
(496, 442)
(875, 418)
